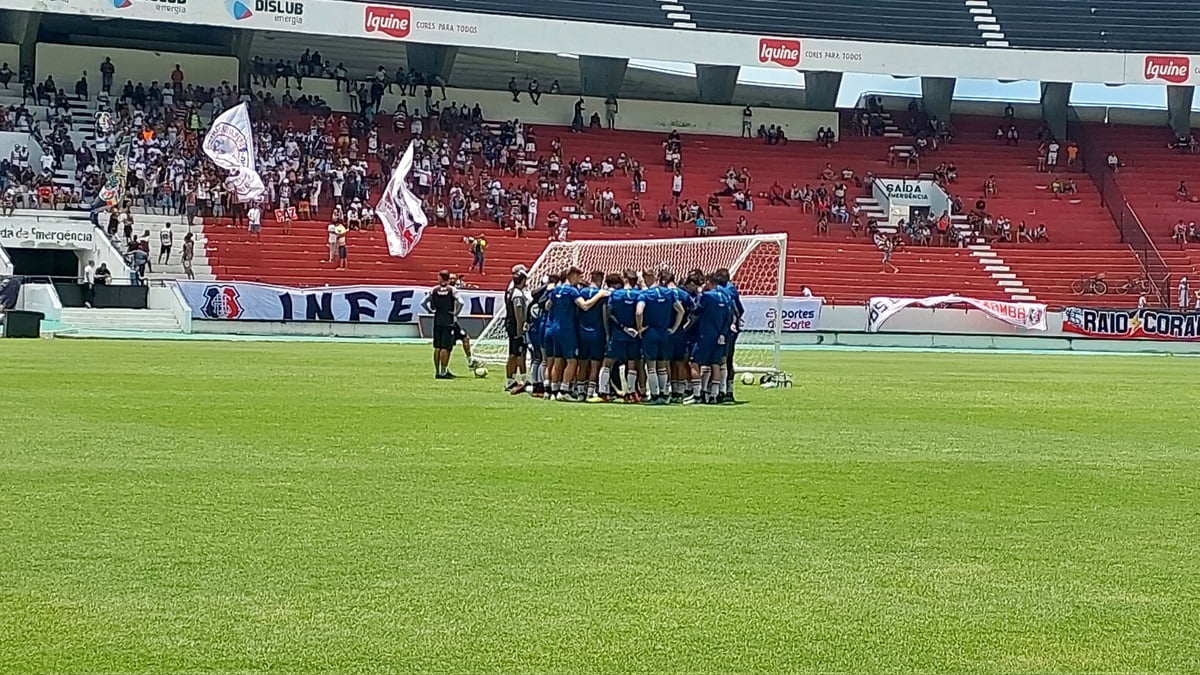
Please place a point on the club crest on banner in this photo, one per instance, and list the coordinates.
(221, 302)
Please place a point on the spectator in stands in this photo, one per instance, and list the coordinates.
(1012, 136)
(1182, 193)
(81, 87)
(990, 187)
(577, 118)
(676, 186)
(1114, 162)
(1184, 293)
(166, 238)
(747, 122)
(477, 246)
(664, 216)
(1179, 234)
(1040, 234)
(611, 108)
(136, 259)
(6, 75)
(535, 91)
(514, 90)
(188, 254)
(107, 70)
(776, 195)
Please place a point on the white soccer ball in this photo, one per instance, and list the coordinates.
(481, 372)
(747, 378)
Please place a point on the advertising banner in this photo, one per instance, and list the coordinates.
(799, 315)
(1027, 315)
(1132, 324)
(246, 301)
(15, 233)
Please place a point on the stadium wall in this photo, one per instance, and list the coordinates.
(66, 62)
(635, 115)
(1033, 111)
(41, 298)
(11, 54)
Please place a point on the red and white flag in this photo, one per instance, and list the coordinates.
(400, 210)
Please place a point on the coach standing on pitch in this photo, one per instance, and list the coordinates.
(444, 304)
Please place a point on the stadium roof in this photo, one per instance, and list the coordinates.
(1093, 25)
(1098, 41)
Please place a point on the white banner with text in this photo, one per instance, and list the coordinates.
(30, 233)
(1027, 315)
(249, 301)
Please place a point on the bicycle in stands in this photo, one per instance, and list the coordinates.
(1090, 285)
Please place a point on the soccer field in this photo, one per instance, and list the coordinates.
(318, 506)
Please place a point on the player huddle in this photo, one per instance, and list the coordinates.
(623, 337)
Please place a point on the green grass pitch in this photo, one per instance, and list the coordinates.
(330, 507)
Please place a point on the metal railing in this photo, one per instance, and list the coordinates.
(1133, 233)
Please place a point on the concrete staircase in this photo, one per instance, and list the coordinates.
(173, 269)
(134, 320)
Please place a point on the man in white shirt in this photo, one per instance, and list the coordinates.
(676, 186)
(333, 239)
(165, 239)
(48, 161)
(254, 216)
(89, 284)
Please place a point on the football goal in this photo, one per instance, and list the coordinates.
(756, 264)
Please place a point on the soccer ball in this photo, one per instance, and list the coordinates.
(481, 372)
(747, 378)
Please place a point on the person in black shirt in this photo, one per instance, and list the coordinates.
(516, 322)
(444, 304)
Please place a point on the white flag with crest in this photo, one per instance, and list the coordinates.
(400, 210)
(230, 145)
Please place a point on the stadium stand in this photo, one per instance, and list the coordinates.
(1149, 176)
(838, 264)
(1156, 26)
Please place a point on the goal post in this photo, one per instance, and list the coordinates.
(756, 263)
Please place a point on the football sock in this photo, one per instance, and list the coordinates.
(705, 378)
(652, 385)
(664, 382)
(605, 379)
(591, 390)
(717, 379)
(695, 388)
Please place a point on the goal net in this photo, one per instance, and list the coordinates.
(756, 264)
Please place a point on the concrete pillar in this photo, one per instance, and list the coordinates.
(242, 48)
(936, 94)
(601, 75)
(21, 28)
(716, 83)
(432, 59)
(1056, 100)
(821, 89)
(1179, 109)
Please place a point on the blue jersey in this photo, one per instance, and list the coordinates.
(563, 311)
(660, 308)
(735, 298)
(537, 312)
(622, 310)
(714, 314)
(591, 322)
(689, 307)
